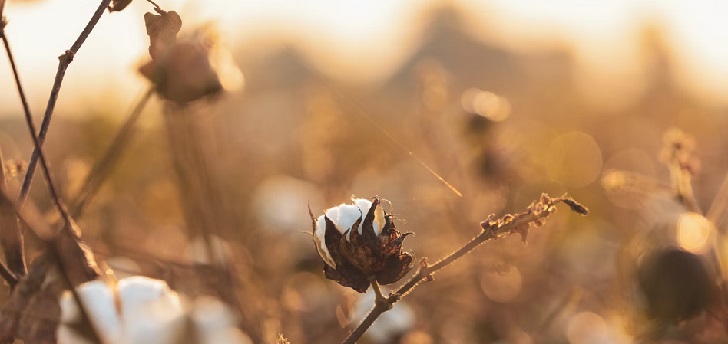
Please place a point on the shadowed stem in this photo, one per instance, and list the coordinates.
(64, 62)
(103, 166)
(12, 243)
(492, 229)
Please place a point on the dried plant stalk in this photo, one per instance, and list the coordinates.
(493, 229)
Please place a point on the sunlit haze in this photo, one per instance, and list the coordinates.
(365, 41)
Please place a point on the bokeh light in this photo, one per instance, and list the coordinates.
(694, 232)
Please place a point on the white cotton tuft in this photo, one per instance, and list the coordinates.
(216, 322)
(143, 310)
(396, 321)
(147, 308)
(343, 217)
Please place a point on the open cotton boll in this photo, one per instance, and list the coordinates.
(343, 216)
(215, 323)
(140, 310)
(373, 250)
(146, 310)
(150, 310)
(98, 300)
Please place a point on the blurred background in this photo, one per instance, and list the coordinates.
(502, 99)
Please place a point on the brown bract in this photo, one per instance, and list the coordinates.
(366, 256)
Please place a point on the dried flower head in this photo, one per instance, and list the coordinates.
(359, 244)
(189, 68)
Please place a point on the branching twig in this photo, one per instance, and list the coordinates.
(30, 218)
(492, 229)
(65, 61)
(102, 167)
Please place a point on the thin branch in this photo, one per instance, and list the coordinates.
(156, 7)
(492, 229)
(8, 276)
(719, 205)
(31, 219)
(101, 169)
(12, 243)
(65, 61)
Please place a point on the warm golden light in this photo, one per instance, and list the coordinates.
(573, 159)
(486, 104)
(502, 286)
(694, 231)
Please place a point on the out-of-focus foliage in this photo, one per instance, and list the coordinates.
(500, 127)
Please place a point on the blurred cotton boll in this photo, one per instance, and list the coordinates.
(143, 310)
(281, 201)
(147, 309)
(589, 327)
(391, 325)
(216, 322)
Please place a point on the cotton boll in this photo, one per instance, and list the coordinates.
(98, 301)
(146, 310)
(319, 239)
(364, 205)
(348, 215)
(395, 322)
(374, 249)
(149, 310)
(216, 323)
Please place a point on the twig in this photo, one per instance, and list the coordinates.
(8, 276)
(719, 205)
(492, 229)
(12, 243)
(101, 169)
(64, 62)
(156, 7)
(30, 218)
(677, 156)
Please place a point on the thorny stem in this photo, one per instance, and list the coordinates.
(64, 62)
(101, 169)
(505, 226)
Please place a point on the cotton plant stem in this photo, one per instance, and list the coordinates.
(64, 61)
(12, 238)
(32, 220)
(492, 230)
(103, 166)
(683, 188)
(719, 205)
